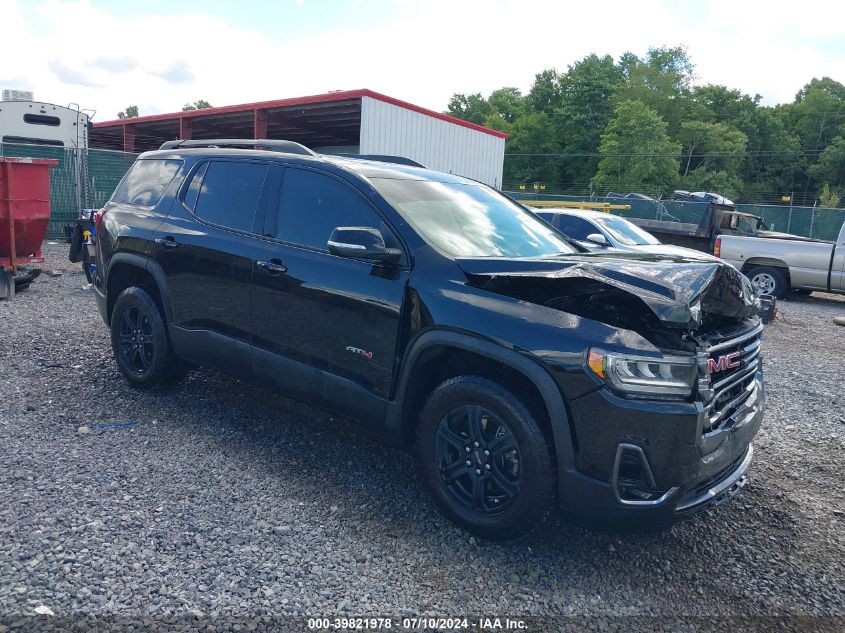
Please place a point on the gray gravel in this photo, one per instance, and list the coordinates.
(226, 500)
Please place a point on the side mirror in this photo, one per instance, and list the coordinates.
(361, 242)
(597, 238)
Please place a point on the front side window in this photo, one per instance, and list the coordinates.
(229, 194)
(145, 183)
(314, 204)
(468, 220)
(626, 232)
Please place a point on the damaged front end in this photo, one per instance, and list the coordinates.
(701, 314)
(676, 421)
(671, 301)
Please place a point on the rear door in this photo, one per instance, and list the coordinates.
(326, 327)
(206, 248)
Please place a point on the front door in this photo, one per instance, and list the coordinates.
(325, 327)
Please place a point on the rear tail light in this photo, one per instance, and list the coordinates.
(98, 218)
(717, 247)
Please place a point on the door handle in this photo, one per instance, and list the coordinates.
(167, 243)
(273, 267)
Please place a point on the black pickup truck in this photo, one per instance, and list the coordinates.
(526, 374)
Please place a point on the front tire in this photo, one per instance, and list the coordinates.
(768, 281)
(485, 459)
(140, 344)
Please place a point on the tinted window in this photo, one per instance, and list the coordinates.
(548, 217)
(42, 119)
(576, 228)
(229, 194)
(146, 182)
(193, 190)
(313, 205)
(626, 232)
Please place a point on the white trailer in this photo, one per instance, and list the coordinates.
(36, 123)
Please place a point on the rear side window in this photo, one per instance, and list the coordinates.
(146, 182)
(313, 205)
(575, 228)
(229, 193)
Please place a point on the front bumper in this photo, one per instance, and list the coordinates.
(682, 468)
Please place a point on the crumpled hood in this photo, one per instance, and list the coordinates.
(680, 291)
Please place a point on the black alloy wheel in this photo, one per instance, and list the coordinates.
(140, 343)
(485, 459)
(137, 344)
(478, 459)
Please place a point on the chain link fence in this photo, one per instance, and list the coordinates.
(818, 222)
(83, 179)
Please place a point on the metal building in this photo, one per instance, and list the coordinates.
(355, 121)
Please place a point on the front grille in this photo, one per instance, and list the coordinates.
(732, 364)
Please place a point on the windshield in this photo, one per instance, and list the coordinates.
(467, 220)
(626, 232)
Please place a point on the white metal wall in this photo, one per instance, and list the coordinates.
(433, 142)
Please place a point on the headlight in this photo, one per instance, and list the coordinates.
(644, 376)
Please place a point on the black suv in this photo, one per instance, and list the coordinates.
(527, 374)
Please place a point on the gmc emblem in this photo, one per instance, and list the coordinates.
(727, 361)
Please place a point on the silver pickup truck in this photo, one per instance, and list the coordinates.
(776, 265)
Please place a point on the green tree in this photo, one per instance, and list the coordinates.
(828, 197)
(473, 108)
(662, 81)
(129, 113)
(546, 93)
(712, 146)
(830, 168)
(774, 163)
(200, 104)
(508, 103)
(588, 94)
(637, 153)
(529, 148)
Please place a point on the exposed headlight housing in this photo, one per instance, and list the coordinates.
(667, 377)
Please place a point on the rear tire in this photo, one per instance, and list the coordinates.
(485, 459)
(768, 281)
(140, 344)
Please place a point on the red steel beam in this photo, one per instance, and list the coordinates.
(186, 128)
(128, 138)
(259, 123)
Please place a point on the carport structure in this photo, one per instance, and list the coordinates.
(355, 121)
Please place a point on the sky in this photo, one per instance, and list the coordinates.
(160, 54)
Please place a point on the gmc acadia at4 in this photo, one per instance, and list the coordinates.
(526, 373)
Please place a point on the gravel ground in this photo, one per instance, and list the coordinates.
(226, 500)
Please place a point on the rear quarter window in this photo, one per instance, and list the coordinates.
(145, 183)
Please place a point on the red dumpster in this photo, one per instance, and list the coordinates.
(24, 215)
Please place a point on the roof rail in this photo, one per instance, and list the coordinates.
(384, 158)
(271, 145)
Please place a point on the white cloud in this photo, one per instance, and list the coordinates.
(429, 50)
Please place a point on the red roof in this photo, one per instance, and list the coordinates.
(323, 98)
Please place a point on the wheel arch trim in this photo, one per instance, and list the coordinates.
(397, 422)
(154, 270)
